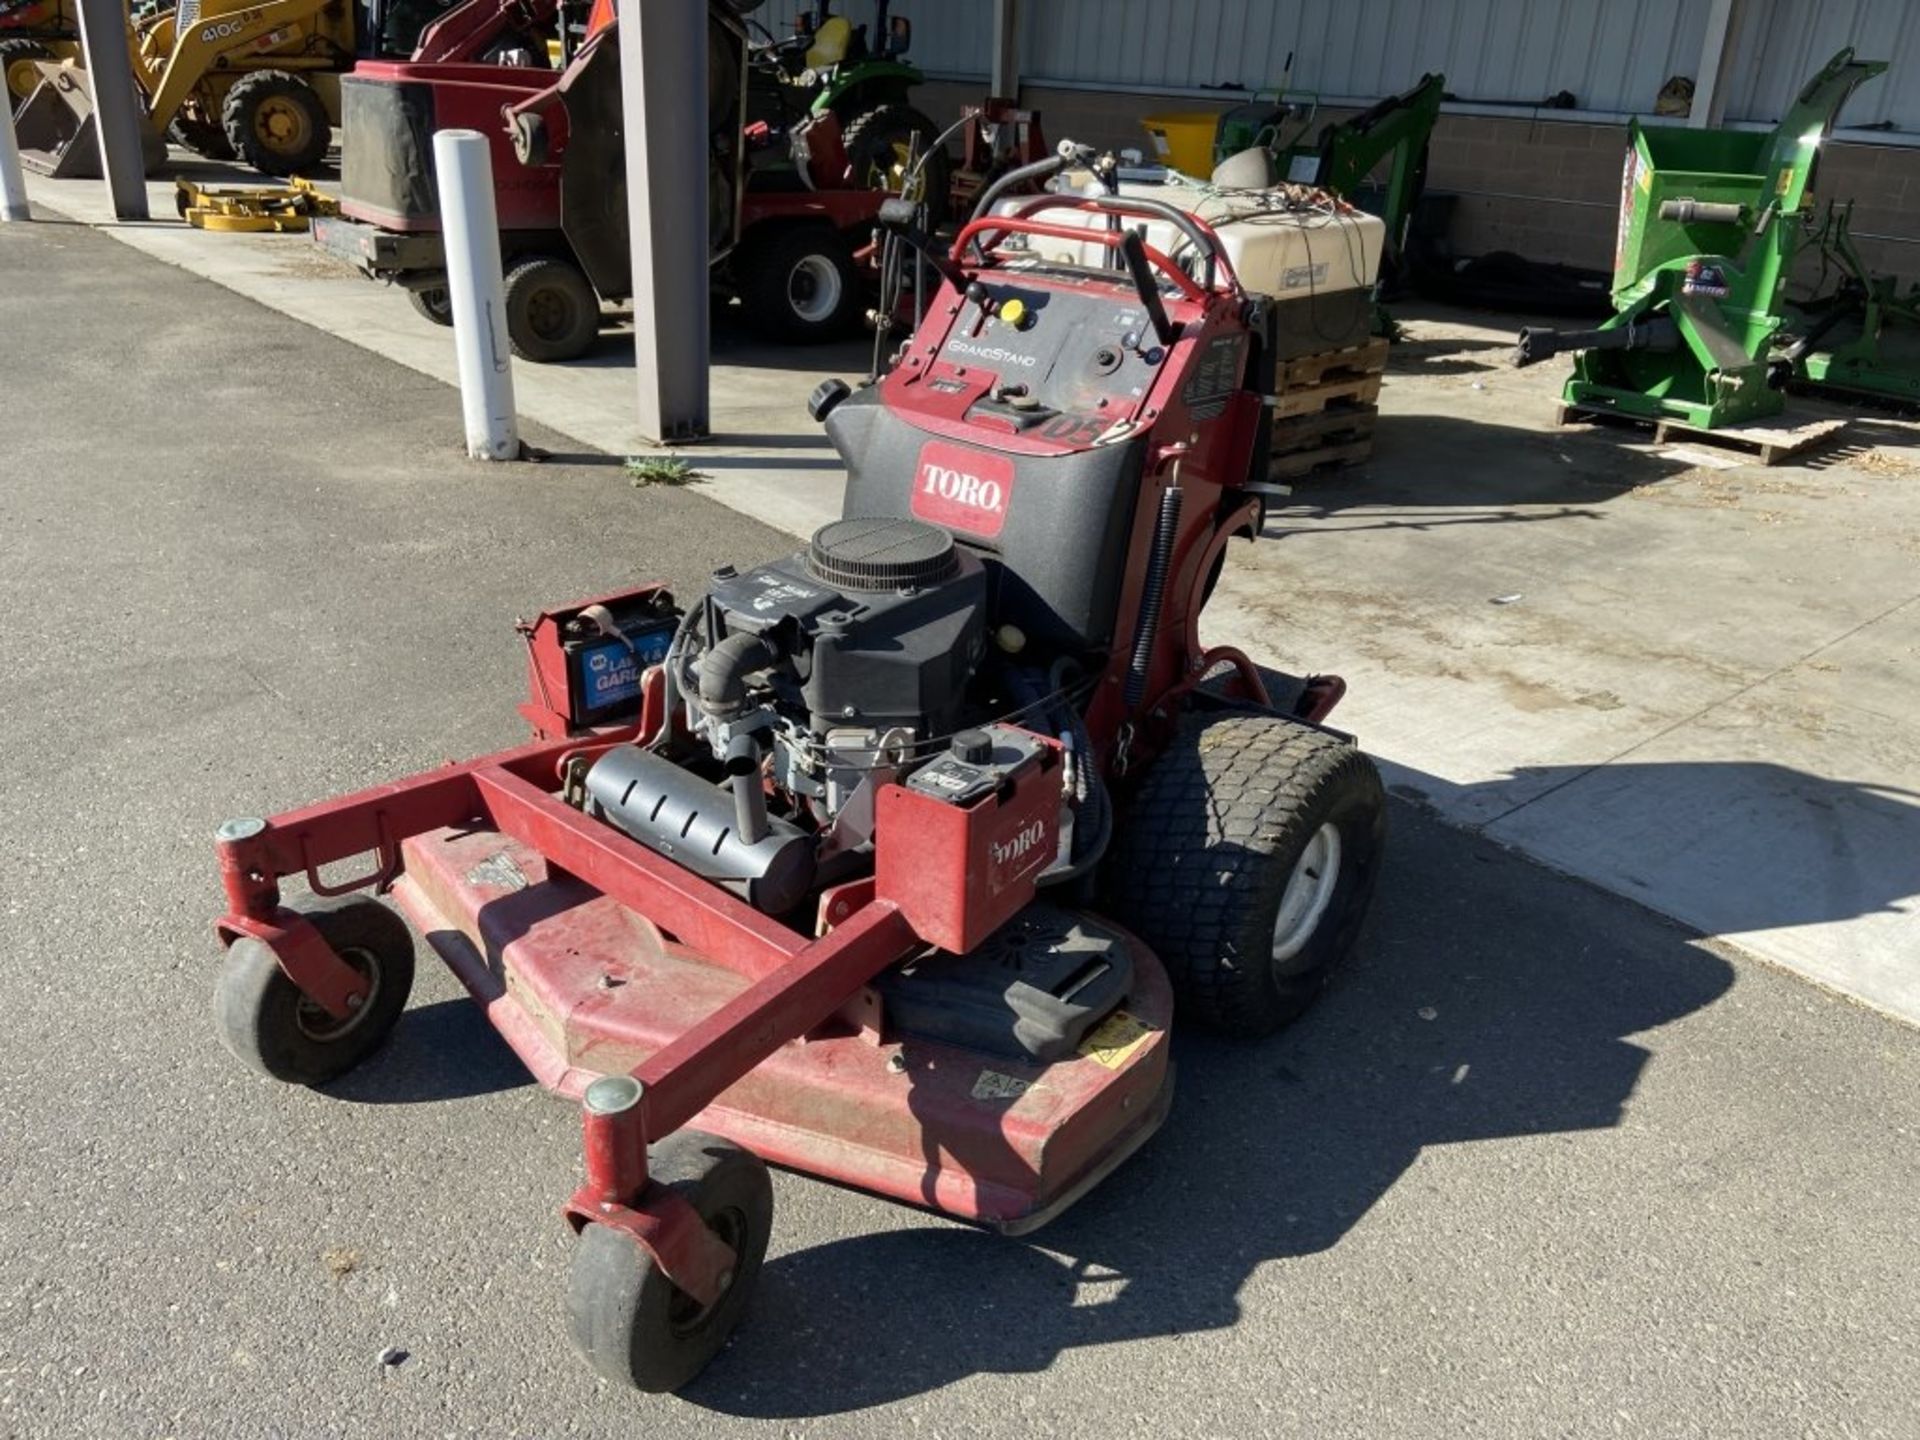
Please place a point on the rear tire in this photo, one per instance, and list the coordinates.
(878, 143)
(434, 305)
(17, 70)
(798, 284)
(276, 122)
(630, 1322)
(1247, 859)
(265, 1021)
(552, 312)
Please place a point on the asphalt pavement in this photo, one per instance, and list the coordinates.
(1540, 1164)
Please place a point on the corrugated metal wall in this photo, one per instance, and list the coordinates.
(1613, 55)
(1782, 43)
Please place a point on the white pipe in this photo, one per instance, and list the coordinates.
(471, 231)
(13, 185)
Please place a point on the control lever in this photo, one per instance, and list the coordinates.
(902, 217)
(1134, 251)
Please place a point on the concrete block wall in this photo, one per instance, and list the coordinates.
(1548, 189)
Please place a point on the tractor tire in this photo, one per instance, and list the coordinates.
(798, 284)
(17, 59)
(435, 305)
(630, 1322)
(552, 311)
(267, 1024)
(1246, 860)
(878, 143)
(276, 123)
(203, 137)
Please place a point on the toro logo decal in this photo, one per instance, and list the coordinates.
(963, 489)
(1025, 851)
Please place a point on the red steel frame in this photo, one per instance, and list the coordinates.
(798, 984)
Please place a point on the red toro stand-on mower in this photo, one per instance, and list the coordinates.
(889, 860)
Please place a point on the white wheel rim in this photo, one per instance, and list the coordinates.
(813, 289)
(1316, 874)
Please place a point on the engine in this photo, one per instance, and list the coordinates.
(800, 687)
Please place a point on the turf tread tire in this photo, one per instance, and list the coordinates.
(524, 280)
(1205, 848)
(763, 270)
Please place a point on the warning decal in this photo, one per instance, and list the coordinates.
(1115, 1038)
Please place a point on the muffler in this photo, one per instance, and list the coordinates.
(59, 135)
(695, 823)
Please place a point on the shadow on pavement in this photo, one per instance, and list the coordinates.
(443, 1051)
(1748, 845)
(1475, 1010)
(1424, 463)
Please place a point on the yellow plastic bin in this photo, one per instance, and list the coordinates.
(1184, 140)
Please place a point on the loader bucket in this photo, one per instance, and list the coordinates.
(56, 128)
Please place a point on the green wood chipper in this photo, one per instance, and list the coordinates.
(1710, 223)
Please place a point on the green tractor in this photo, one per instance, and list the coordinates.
(831, 64)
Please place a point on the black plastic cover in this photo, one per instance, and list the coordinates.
(1061, 553)
(1032, 990)
(389, 166)
(869, 658)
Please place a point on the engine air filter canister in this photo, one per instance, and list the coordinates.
(882, 554)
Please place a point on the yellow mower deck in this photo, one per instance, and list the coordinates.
(241, 210)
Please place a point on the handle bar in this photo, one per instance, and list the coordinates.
(1195, 229)
(1111, 239)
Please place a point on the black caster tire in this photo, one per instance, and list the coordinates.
(552, 311)
(632, 1324)
(1247, 860)
(265, 1021)
(434, 305)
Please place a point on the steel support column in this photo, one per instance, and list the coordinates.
(663, 70)
(1006, 50)
(1716, 61)
(116, 117)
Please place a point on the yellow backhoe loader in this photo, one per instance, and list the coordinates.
(253, 79)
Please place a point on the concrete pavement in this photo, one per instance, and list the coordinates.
(1703, 691)
(1541, 1164)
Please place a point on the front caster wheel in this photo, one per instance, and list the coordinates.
(633, 1325)
(266, 1022)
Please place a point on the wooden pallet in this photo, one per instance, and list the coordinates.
(1341, 434)
(1772, 442)
(1322, 457)
(1312, 398)
(1335, 425)
(1348, 364)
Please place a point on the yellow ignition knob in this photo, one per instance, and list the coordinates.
(1014, 312)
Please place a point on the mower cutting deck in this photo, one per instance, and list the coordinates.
(886, 860)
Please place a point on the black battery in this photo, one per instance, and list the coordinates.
(604, 671)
